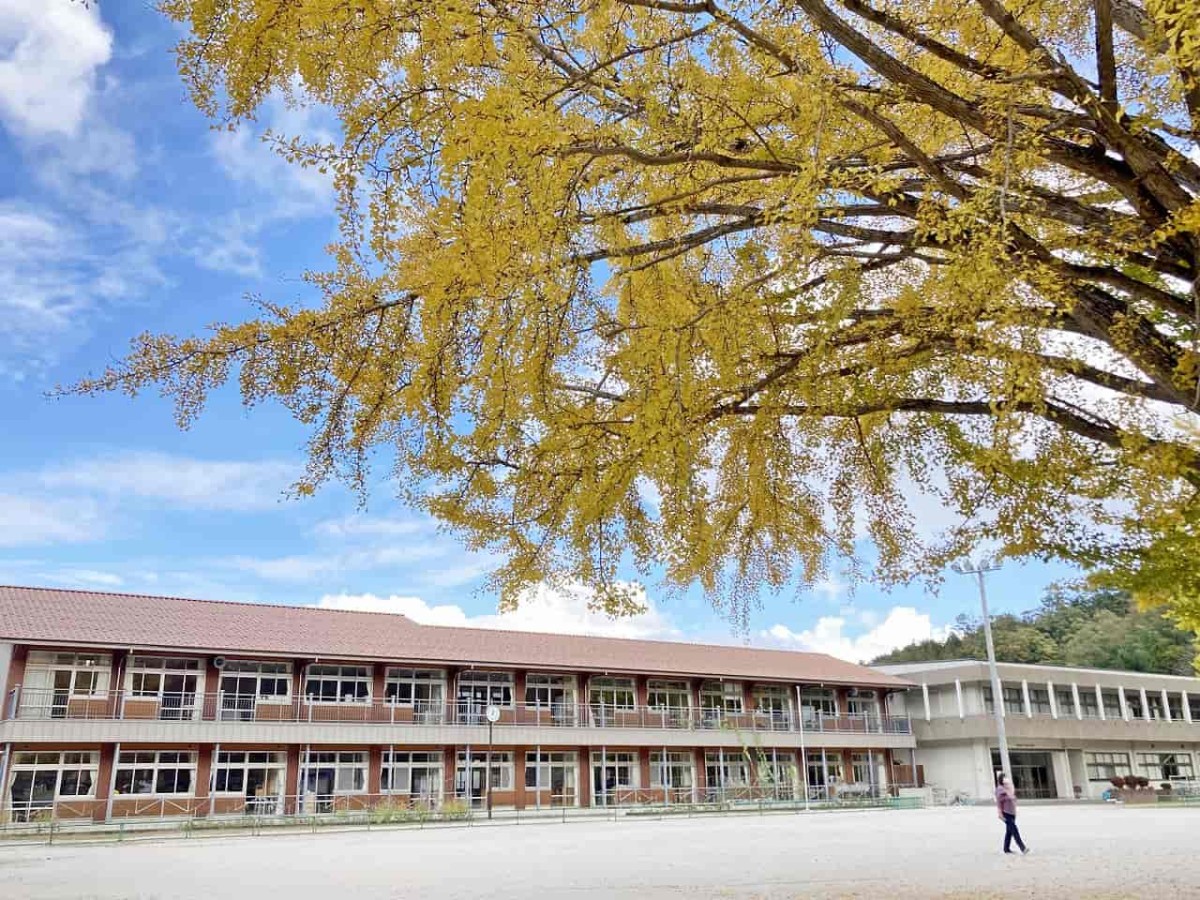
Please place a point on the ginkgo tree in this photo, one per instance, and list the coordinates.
(717, 289)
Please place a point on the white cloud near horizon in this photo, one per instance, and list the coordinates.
(27, 520)
(544, 609)
(179, 481)
(903, 625)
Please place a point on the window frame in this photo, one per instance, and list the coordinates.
(405, 763)
(245, 762)
(661, 691)
(431, 681)
(615, 693)
(156, 762)
(65, 763)
(502, 765)
(1094, 761)
(676, 760)
(339, 675)
(497, 685)
(725, 697)
(354, 762)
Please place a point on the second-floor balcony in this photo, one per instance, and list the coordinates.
(225, 707)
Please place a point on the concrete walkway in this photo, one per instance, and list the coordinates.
(1079, 852)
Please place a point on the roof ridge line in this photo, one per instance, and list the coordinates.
(252, 603)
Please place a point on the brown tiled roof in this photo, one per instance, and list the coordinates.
(92, 619)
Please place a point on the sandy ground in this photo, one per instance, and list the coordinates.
(1078, 852)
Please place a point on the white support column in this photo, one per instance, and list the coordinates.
(962, 711)
(1166, 705)
(1145, 705)
(925, 697)
(1053, 700)
(1100, 703)
(1187, 708)
(1124, 703)
(1025, 697)
(1075, 697)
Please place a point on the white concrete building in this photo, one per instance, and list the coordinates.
(1069, 730)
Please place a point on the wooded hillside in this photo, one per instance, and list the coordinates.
(1098, 629)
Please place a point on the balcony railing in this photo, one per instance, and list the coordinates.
(222, 707)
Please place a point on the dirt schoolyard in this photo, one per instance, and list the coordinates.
(1085, 851)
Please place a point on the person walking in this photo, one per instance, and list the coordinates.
(1006, 806)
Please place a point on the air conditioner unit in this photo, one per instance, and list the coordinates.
(218, 662)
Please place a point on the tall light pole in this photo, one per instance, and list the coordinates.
(967, 567)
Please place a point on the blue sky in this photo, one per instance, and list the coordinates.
(123, 210)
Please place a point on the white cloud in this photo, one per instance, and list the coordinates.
(85, 578)
(50, 53)
(544, 609)
(368, 526)
(28, 520)
(270, 189)
(902, 626)
(176, 480)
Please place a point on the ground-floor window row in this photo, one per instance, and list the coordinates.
(1158, 766)
(257, 781)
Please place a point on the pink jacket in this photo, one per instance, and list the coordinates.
(1006, 800)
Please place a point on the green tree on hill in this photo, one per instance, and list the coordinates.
(1094, 628)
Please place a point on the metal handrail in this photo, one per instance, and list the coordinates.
(230, 707)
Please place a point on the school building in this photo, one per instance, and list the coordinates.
(118, 706)
(1069, 730)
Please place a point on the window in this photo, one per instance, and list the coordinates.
(554, 773)
(482, 689)
(772, 700)
(171, 681)
(729, 770)
(824, 768)
(668, 695)
(421, 689)
(1014, 700)
(1194, 706)
(255, 774)
(1039, 701)
(1154, 703)
(1133, 702)
(39, 779)
(1165, 766)
(502, 772)
(338, 684)
(1088, 703)
(155, 772)
(417, 774)
(549, 691)
(334, 773)
(1175, 707)
(778, 773)
(1103, 766)
(259, 681)
(721, 697)
(1112, 704)
(1066, 702)
(613, 772)
(818, 703)
(53, 680)
(862, 768)
(675, 770)
(246, 683)
(613, 693)
(862, 703)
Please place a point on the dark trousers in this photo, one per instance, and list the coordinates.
(1011, 833)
